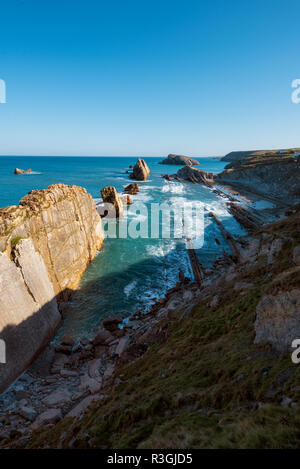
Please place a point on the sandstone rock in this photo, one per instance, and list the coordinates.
(66, 349)
(111, 322)
(83, 405)
(102, 337)
(278, 320)
(28, 308)
(45, 245)
(60, 360)
(67, 340)
(109, 371)
(22, 171)
(28, 413)
(140, 170)
(94, 369)
(49, 416)
(122, 345)
(112, 202)
(195, 175)
(126, 199)
(57, 398)
(90, 384)
(68, 373)
(132, 189)
(180, 160)
(296, 255)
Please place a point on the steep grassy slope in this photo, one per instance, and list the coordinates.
(206, 385)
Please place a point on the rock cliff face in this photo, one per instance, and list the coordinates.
(140, 170)
(278, 180)
(45, 245)
(180, 160)
(65, 229)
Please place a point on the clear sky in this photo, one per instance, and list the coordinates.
(148, 77)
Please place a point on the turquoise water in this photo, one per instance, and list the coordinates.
(127, 274)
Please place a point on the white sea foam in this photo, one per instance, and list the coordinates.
(174, 188)
(131, 286)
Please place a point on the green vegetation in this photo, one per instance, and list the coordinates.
(15, 241)
(207, 385)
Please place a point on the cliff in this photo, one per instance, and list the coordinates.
(279, 179)
(65, 229)
(46, 243)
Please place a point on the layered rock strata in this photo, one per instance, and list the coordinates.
(46, 243)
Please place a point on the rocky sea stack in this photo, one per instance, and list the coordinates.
(140, 170)
(180, 160)
(110, 196)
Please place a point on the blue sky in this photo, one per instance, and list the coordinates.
(148, 77)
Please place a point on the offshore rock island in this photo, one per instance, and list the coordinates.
(211, 360)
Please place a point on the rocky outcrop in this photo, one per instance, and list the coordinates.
(180, 160)
(65, 229)
(46, 243)
(280, 180)
(140, 170)
(195, 175)
(22, 171)
(111, 197)
(278, 320)
(132, 189)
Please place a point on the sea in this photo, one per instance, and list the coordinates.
(128, 274)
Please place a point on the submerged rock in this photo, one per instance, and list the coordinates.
(180, 160)
(140, 170)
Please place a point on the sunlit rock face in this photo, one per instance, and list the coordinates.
(46, 243)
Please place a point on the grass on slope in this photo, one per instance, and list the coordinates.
(207, 386)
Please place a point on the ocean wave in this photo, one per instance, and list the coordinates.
(174, 188)
(131, 286)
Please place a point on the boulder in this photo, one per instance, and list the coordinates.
(180, 160)
(92, 385)
(140, 170)
(278, 320)
(57, 398)
(110, 195)
(102, 338)
(132, 189)
(112, 322)
(296, 255)
(49, 416)
(83, 405)
(27, 413)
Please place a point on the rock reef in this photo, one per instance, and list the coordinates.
(22, 171)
